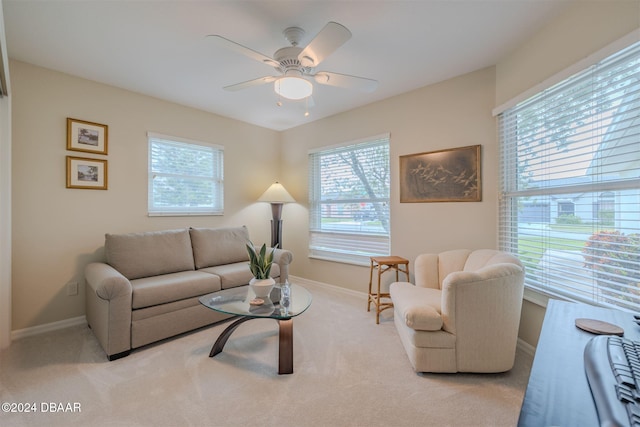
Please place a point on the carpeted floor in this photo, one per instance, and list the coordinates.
(348, 371)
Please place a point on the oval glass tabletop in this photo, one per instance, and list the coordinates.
(237, 301)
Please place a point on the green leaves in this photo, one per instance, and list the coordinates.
(260, 262)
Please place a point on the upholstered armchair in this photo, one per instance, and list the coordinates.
(463, 313)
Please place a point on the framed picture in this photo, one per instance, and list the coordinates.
(86, 173)
(451, 175)
(86, 136)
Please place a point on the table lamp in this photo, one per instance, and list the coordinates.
(277, 195)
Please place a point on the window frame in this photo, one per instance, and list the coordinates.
(217, 177)
(598, 192)
(351, 245)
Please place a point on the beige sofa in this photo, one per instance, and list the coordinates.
(149, 286)
(463, 313)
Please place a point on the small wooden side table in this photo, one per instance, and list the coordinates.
(383, 264)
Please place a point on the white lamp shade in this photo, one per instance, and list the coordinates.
(276, 194)
(293, 87)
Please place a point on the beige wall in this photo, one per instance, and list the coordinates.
(454, 113)
(5, 196)
(56, 230)
(583, 29)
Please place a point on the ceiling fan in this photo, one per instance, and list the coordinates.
(294, 64)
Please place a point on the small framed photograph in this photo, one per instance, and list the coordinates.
(451, 175)
(87, 136)
(86, 173)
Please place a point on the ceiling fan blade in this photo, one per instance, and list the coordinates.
(231, 45)
(331, 37)
(249, 83)
(344, 80)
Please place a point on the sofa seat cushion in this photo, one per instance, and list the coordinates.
(236, 274)
(219, 246)
(137, 255)
(150, 291)
(419, 308)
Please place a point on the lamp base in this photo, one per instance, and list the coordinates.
(276, 225)
(276, 233)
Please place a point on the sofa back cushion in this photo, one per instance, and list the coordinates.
(146, 254)
(451, 261)
(481, 258)
(432, 269)
(219, 246)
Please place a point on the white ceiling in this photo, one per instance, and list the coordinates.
(159, 48)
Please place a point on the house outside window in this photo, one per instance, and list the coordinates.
(349, 201)
(185, 177)
(575, 147)
(566, 208)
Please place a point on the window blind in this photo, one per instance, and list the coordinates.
(185, 177)
(349, 201)
(570, 184)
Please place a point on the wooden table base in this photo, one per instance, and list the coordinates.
(285, 345)
(384, 264)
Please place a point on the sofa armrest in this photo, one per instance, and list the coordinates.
(108, 307)
(283, 258)
(106, 281)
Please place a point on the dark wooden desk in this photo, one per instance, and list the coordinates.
(558, 393)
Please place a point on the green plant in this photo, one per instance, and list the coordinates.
(260, 262)
(568, 219)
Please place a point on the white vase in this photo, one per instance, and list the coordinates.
(262, 287)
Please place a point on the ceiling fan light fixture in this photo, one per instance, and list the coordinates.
(293, 87)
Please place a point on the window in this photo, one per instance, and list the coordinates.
(604, 208)
(349, 201)
(576, 146)
(567, 208)
(185, 177)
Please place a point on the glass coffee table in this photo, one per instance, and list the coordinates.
(240, 302)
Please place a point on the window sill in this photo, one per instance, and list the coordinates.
(341, 261)
(185, 214)
(541, 298)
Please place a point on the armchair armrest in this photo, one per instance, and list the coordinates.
(108, 306)
(487, 298)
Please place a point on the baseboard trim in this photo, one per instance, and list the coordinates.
(48, 327)
(526, 348)
(303, 281)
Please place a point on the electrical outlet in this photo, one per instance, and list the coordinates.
(72, 288)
